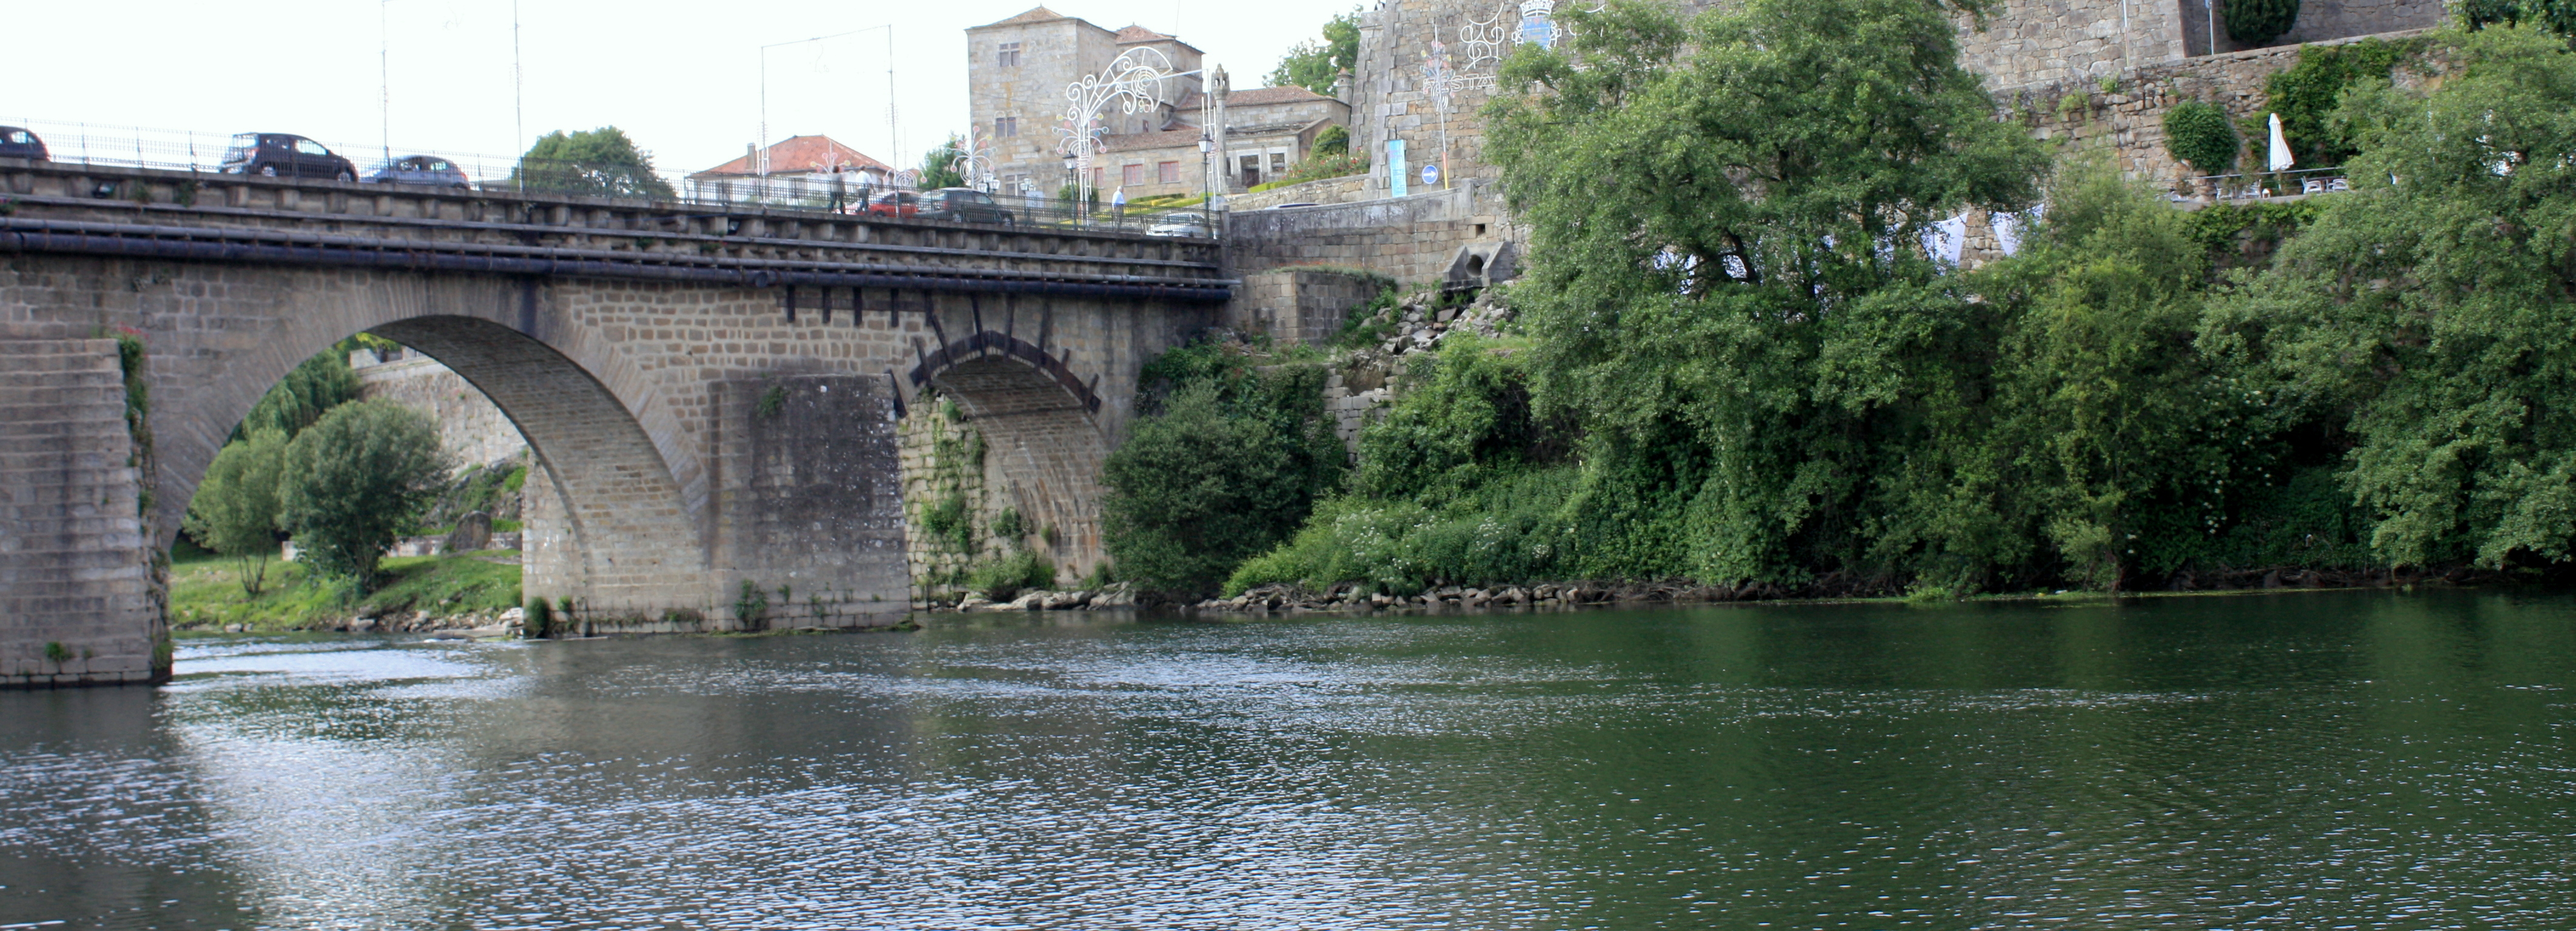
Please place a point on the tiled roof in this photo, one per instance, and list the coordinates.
(799, 154)
(1134, 34)
(1036, 14)
(1260, 96)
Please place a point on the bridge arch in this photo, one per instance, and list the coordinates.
(1038, 421)
(613, 522)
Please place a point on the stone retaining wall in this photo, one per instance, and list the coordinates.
(470, 426)
(1342, 190)
(1299, 305)
(1409, 239)
(2130, 123)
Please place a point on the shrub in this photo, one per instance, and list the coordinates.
(1334, 140)
(751, 606)
(1003, 579)
(2557, 16)
(357, 480)
(2255, 22)
(1229, 466)
(2198, 132)
(236, 508)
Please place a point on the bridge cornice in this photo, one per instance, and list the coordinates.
(188, 215)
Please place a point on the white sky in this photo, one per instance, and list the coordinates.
(683, 79)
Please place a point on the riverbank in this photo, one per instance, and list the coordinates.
(1351, 597)
(449, 592)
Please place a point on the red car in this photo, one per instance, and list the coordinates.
(896, 204)
(963, 205)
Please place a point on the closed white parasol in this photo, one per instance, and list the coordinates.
(2281, 159)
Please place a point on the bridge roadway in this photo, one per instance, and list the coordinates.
(712, 394)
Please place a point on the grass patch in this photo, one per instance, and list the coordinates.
(205, 594)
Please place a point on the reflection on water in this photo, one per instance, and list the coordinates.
(2368, 760)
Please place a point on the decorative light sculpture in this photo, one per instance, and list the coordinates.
(1137, 81)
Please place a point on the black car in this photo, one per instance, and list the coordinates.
(419, 169)
(19, 143)
(281, 155)
(965, 205)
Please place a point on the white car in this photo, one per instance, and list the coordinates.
(1180, 224)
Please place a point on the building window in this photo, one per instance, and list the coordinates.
(1010, 57)
(1132, 175)
(1167, 172)
(1278, 164)
(1005, 127)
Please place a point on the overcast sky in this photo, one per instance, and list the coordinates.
(684, 79)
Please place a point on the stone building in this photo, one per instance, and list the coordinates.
(1018, 69)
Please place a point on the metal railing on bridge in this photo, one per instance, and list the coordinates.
(848, 192)
(2259, 185)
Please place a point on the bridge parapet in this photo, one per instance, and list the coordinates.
(193, 215)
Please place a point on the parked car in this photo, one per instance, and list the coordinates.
(281, 155)
(419, 169)
(1190, 223)
(895, 204)
(964, 205)
(19, 143)
(1286, 206)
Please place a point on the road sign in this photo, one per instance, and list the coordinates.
(1430, 175)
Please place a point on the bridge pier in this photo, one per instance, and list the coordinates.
(79, 601)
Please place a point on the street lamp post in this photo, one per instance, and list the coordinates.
(1207, 186)
(1072, 182)
(760, 156)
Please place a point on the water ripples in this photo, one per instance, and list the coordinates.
(2337, 760)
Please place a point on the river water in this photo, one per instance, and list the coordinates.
(2311, 761)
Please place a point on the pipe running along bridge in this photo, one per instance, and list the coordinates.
(712, 394)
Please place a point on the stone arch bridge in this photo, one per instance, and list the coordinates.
(712, 393)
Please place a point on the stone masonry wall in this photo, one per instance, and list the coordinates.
(1340, 190)
(470, 426)
(944, 458)
(77, 603)
(810, 498)
(2129, 124)
(1299, 305)
(1409, 238)
(2045, 41)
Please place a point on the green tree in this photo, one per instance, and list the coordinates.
(316, 385)
(1726, 286)
(355, 481)
(2109, 443)
(2434, 302)
(596, 161)
(1316, 65)
(235, 509)
(939, 166)
(1228, 468)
